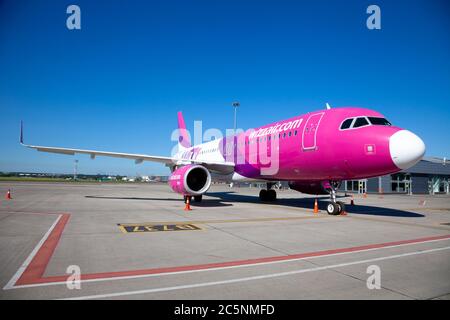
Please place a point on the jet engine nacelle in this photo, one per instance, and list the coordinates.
(308, 187)
(190, 180)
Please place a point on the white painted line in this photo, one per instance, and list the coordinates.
(220, 268)
(18, 274)
(268, 276)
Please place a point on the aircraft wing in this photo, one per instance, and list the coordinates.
(221, 167)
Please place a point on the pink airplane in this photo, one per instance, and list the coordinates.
(313, 152)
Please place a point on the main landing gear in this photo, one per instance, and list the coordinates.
(334, 207)
(268, 195)
(196, 198)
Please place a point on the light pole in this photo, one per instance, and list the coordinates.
(236, 104)
(75, 170)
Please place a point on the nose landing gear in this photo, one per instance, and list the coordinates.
(334, 207)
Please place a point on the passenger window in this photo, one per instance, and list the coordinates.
(360, 122)
(346, 124)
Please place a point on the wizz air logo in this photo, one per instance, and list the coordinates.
(277, 128)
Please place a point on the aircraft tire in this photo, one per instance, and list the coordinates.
(263, 196)
(341, 206)
(272, 195)
(333, 208)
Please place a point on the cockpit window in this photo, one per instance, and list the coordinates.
(360, 122)
(346, 124)
(364, 121)
(379, 121)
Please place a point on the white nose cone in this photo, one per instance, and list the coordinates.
(406, 149)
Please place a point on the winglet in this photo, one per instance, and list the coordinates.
(328, 106)
(21, 132)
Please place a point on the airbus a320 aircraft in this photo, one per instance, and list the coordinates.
(313, 152)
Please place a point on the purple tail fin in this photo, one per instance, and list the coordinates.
(183, 138)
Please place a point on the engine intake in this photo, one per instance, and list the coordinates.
(190, 180)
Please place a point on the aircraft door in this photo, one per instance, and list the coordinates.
(309, 141)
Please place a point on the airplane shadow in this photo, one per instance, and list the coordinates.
(308, 204)
(303, 203)
(205, 202)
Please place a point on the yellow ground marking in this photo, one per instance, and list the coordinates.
(224, 221)
(144, 228)
(405, 223)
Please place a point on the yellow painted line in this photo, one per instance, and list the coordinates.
(404, 223)
(227, 221)
(122, 229)
(144, 228)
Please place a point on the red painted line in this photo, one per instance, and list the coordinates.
(33, 274)
(37, 266)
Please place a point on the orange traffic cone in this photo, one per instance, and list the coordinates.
(188, 205)
(8, 195)
(365, 195)
(316, 206)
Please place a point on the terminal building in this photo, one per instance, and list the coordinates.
(430, 175)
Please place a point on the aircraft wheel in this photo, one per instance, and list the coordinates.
(198, 198)
(272, 195)
(333, 208)
(341, 206)
(263, 195)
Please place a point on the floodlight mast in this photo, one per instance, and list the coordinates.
(75, 170)
(236, 104)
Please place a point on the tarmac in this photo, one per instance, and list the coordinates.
(136, 241)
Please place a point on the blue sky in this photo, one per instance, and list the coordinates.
(117, 83)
